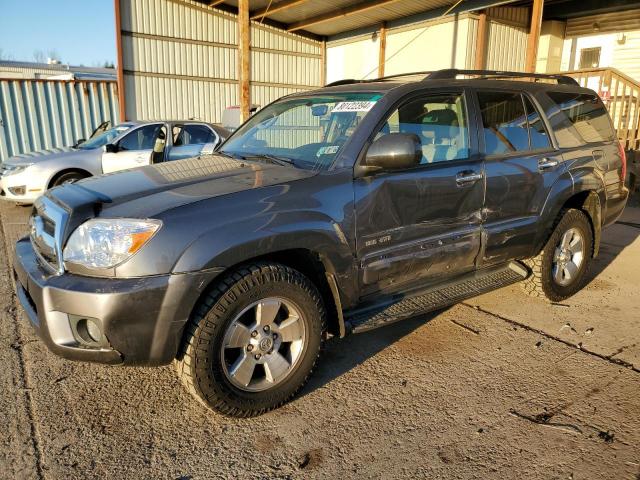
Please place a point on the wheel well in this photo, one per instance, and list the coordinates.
(80, 171)
(589, 203)
(310, 265)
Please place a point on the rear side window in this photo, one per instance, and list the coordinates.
(586, 114)
(504, 121)
(194, 135)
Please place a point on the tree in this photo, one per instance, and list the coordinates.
(39, 56)
(5, 56)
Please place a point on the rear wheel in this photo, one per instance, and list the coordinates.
(560, 270)
(253, 341)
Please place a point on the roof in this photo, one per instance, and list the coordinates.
(326, 18)
(330, 17)
(78, 72)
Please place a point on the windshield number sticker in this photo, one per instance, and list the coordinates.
(330, 150)
(353, 106)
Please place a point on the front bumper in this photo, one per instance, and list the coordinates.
(142, 318)
(31, 184)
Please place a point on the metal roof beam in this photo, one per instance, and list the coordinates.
(341, 12)
(275, 7)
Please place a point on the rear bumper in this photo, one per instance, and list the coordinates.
(142, 318)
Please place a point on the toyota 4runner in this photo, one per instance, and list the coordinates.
(327, 212)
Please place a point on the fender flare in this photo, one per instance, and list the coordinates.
(583, 182)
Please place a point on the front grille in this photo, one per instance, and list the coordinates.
(48, 222)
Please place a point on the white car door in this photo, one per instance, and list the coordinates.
(133, 150)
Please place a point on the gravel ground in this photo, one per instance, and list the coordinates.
(502, 386)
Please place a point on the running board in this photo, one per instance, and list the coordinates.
(426, 301)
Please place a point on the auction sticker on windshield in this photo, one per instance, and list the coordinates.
(353, 106)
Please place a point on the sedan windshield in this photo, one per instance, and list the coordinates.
(305, 131)
(104, 138)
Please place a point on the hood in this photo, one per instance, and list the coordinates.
(148, 191)
(50, 154)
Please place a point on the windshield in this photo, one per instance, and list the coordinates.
(104, 138)
(305, 131)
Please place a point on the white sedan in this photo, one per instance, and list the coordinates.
(23, 178)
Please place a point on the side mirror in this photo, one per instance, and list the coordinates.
(111, 148)
(80, 140)
(394, 151)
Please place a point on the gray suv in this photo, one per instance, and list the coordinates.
(328, 212)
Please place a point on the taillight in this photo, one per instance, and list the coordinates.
(623, 159)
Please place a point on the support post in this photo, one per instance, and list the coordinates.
(323, 63)
(382, 42)
(481, 42)
(119, 66)
(534, 36)
(244, 57)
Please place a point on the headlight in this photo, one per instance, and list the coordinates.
(105, 243)
(7, 170)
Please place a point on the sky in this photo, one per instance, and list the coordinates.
(82, 32)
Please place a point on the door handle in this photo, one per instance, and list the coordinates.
(547, 163)
(467, 176)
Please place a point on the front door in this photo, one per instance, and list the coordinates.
(420, 225)
(521, 165)
(135, 149)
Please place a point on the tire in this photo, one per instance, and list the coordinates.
(67, 178)
(548, 278)
(206, 367)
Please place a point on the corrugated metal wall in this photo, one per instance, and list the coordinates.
(506, 46)
(405, 49)
(40, 114)
(180, 61)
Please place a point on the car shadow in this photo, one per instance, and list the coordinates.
(615, 239)
(343, 354)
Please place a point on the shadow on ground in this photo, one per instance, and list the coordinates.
(344, 354)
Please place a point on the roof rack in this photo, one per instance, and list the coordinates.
(348, 81)
(452, 73)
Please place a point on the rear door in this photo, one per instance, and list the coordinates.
(521, 165)
(420, 225)
(191, 140)
(135, 149)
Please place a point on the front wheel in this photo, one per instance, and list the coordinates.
(560, 270)
(253, 341)
(68, 177)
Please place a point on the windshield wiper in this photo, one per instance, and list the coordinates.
(273, 158)
(234, 156)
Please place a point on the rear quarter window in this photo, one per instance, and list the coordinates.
(582, 119)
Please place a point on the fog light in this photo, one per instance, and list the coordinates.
(89, 331)
(18, 190)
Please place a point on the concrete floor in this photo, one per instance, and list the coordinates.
(502, 386)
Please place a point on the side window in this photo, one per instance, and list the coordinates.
(538, 135)
(504, 122)
(439, 120)
(586, 114)
(194, 135)
(143, 138)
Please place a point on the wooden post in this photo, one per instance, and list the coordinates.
(534, 36)
(244, 58)
(382, 42)
(481, 42)
(323, 63)
(119, 66)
